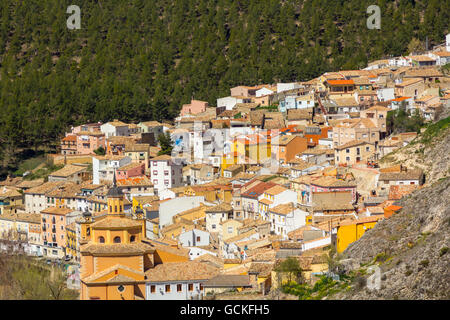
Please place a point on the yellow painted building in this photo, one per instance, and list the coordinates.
(114, 259)
(350, 231)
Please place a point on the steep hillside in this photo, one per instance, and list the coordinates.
(141, 60)
(411, 248)
(429, 151)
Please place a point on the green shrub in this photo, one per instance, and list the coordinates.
(443, 251)
(424, 263)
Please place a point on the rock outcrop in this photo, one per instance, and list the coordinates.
(411, 248)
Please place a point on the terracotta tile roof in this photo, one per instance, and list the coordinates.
(408, 82)
(410, 174)
(67, 190)
(182, 252)
(223, 207)
(262, 269)
(275, 190)
(240, 236)
(120, 278)
(352, 144)
(44, 188)
(283, 140)
(30, 183)
(421, 58)
(117, 123)
(68, 171)
(125, 249)
(266, 201)
(134, 181)
(298, 233)
(71, 138)
(300, 114)
(181, 271)
(116, 223)
(345, 102)
(151, 123)
(283, 209)
(7, 192)
(57, 210)
(22, 217)
(211, 259)
(361, 220)
(258, 189)
(131, 165)
(442, 53)
(163, 157)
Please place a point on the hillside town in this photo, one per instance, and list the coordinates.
(272, 171)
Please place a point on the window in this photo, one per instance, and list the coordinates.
(132, 239)
(367, 148)
(347, 150)
(179, 288)
(167, 287)
(190, 286)
(198, 238)
(230, 229)
(213, 226)
(166, 172)
(62, 227)
(152, 289)
(101, 239)
(155, 172)
(117, 240)
(121, 288)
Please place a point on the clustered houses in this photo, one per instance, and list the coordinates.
(271, 171)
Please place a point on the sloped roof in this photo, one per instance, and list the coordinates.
(125, 249)
(116, 223)
(181, 271)
(410, 174)
(68, 170)
(283, 209)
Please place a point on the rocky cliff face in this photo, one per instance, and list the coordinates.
(430, 151)
(411, 248)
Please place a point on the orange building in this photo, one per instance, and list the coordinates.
(285, 147)
(114, 259)
(54, 231)
(115, 253)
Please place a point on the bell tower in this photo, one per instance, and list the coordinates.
(115, 199)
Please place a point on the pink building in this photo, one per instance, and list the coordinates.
(130, 170)
(87, 142)
(196, 106)
(83, 139)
